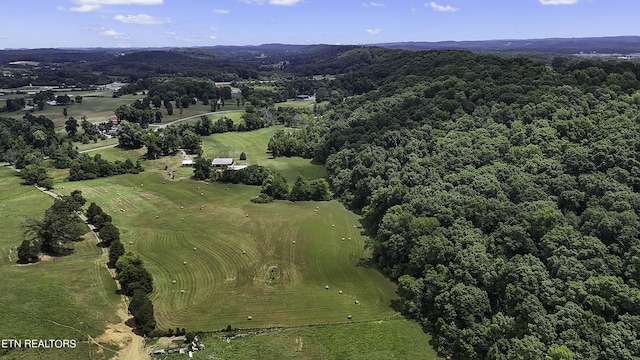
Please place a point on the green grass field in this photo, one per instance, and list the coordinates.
(254, 145)
(243, 265)
(71, 297)
(383, 340)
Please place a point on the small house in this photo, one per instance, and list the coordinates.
(222, 163)
(187, 162)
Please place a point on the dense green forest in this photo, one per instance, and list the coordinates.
(501, 194)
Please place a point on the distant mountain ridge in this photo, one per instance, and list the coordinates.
(608, 45)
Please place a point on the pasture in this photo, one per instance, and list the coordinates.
(254, 145)
(69, 297)
(231, 259)
(383, 340)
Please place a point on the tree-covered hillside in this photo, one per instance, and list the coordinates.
(501, 194)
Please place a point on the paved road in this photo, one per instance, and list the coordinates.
(164, 126)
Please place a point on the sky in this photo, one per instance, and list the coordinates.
(189, 23)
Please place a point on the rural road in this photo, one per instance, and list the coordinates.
(164, 126)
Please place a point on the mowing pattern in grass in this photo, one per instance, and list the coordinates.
(231, 258)
(63, 298)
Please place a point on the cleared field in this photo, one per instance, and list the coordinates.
(254, 145)
(383, 340)
(70, 297)
(268, 261)
(296, 103)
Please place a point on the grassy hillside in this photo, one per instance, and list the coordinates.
(71, 297)
(271, 261)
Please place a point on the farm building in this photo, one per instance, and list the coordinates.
(236, 167)
(222, 163)
(187, 162)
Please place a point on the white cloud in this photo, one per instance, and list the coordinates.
(272, 2)
(443, 8)
(93, 5)
(141, 19)
(213, 28)
(558, 2)
(86, 8)
(212, 37)
(373, 31)
(112, 33)
(284, 2)
(373, 4)
(221, 11)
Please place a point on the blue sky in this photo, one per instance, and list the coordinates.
(152, 23)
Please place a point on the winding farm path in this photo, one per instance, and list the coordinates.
(131, 345)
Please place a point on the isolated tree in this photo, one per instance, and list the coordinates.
(156, 101)
(158, 116)
(169, 108)
(71, 126)
(65, 112)
(243, 156)
(78, 99)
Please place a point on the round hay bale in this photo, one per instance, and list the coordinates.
(181, 207)
(164, 182)
(198, 187)
(195, 248)
(316, 210)
(102, 203)
(349, 317)
(156, 216)
(181, 291)
(141, 185)
(357, 302)
(227, 189)
(339, 292)
(201, 194)
(182, 219)
(249, 317)
(135, 187)
(349, 238)
(173, 281)
(244, 252)
(332, 225)
(342, 239)
(326, 287)
(293, 242)
(130, 242)
(184, 263)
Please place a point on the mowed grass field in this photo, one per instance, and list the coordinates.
(70, 297)
(378, 340)
(254, 145)
(268, 261)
